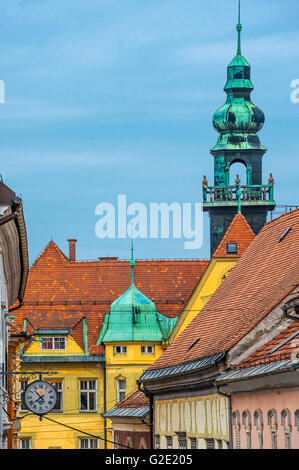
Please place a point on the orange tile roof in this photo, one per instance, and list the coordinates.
(284, 351)
(266, 273)
(238, 232)
(135, 400)
(60, 292)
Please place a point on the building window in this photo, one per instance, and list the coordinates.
(272, 422)
(219, 442)
(52, 343)
(88, 395)
(236, 425)
(116, 443)
(59, 404)
(192, 442)
(121, 389)
(88, 443)
(169, 442)
(246, 421)
(258, 422)
(287, 425)
(147, 349)
(120, 349)
(157, 442)
(25, 443)
(129, 442)
(210, 443)
(182, 440)
(23, 385)
(231, 249)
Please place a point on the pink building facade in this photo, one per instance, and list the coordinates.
(267, 420)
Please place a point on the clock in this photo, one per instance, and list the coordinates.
(40, 397)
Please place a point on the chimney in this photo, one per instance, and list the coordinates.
(72, 249)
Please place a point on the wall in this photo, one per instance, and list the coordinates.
(199, 416)
(46, 434)
(136, 439)
(211, 280)
(277, 400)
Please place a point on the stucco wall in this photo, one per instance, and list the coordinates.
(264, 402)
(199, 416)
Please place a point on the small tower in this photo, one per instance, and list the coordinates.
(238, 121)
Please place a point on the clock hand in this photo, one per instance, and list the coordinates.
(39, 396)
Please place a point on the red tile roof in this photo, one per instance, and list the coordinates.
(238, 232)
(135, 400)
(60, 292)
(266, 273)
(284, 351)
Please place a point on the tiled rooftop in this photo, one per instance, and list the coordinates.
(60, 293)
(266, 273)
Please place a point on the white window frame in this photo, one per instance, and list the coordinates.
(88, 391)
(25, 439)
(59, 392)
(149, 349)
(169, 442)
(121, 389)
(22, 385)
(53, 338)
(88, 441)
(119, 349)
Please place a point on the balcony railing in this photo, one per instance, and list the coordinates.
(263, 192)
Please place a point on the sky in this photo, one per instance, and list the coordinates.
(109, 97)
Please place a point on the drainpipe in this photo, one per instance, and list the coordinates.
(151, 403)
(105, 403)
(230, 425)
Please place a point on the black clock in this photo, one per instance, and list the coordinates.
(40, 397)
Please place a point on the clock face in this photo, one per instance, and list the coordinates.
(40, 397)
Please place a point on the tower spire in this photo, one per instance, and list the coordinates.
(132, 261)
(239, 28)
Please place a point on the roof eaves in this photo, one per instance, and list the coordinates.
(191, 366)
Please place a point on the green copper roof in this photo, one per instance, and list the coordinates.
(134, 317)
(238, 120)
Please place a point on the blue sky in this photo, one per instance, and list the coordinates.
(108, 97)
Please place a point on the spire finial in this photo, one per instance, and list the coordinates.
(239, 28)
(132, 262)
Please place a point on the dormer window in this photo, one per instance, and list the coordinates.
(231, 249)
(147, 349)
(54, 343)
(120, 349)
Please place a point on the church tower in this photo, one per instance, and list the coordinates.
(238, 121)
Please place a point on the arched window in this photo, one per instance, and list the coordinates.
(297, 419)
(236, 425)
(258, 422)
(238, 171)
(246, 421)
(286, 422)
(272, 422)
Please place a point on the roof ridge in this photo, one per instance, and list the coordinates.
(233, 225)
(50, 243)
(278, 219)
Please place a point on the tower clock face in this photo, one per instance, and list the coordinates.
(40, 397)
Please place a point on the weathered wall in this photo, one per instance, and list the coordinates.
(199, 416)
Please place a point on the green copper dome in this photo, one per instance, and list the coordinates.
(238, 120)
(134, 317)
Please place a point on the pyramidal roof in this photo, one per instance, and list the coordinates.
(132, 297)
(240, 233)
(134, 317)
